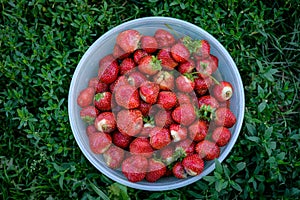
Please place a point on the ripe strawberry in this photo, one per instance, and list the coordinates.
(163, 118)
(202, 85)
(130, 122)
(178, 171)
(93, 82)
(121, 140)
(167, 62)
(91, 129)
(156, 169)
(208, 100)
(193, 165)
(167, 99)
(215, 62)
(186, 67)
(223, 91)
(149, 44)
(224, 117)
(134, 168)
(149, 92)
(108, 69)
(121, 80)
(203, 49)
(85, 97)
(136, 78)
(113, 157)
(119, 53)
(102, 101)
(221, 135)
(165, 80)
(225, 104)
(184, 98)
(101, 87)
(138, 55)
(180, 53)
(126, 65)
(128, 40)
(167, 154)
(144, 108)
(88, 114)
(205, 67)
(141, 146)
(187, 145)
(149, 65)
(99, 142)
(178, 132)
(164, 38)
(105, 122)
(184, 84)
(184, 114)
(198, 130)
(207, 150)
(145, 132)
(127, 96)
(159, 137)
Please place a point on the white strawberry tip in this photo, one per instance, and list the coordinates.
(176, 136)
(143, 97)
(226, 93)
(191, 172)
(101, 125)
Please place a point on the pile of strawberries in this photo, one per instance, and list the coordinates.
(155, 108)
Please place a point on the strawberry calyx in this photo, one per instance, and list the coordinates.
(99, 96)
(205, 112)
(149, 120)
(156, 63)
(178, 155)
(192, 45)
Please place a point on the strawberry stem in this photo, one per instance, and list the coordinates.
(156, 63)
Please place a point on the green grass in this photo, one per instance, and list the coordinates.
(42, 42)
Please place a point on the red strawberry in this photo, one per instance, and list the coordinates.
(149, 92)
(224, 117)
(198, 130)
(223, 91)
(164, 38)
(180, 53)
(184, 114)
(205, 67)
(101, 87)
(193, 165)
(121, 80)
(208, 100)
(127, 96)
(184, 84)
(136, 78)
(105, 122)
(138, 55)
(141, 146)
(159, 137)
(167, 62)
(184, 98)
(119, 53)
(113, 157)
(149, 65)
(134, 168)
(85, 97)
(178, 171)
(165, 80)
(149, 44)
(207, 150)
(221, 135)
(225, 104)
(167, 154)
(130, 122)
(203, 49)
(91, 129)
(102, 101)
(167, 99)
(121, 140)
(202, 85)
(186, 67)
(215, 63)
(99, 142)
(108, 69)
(178, 132)
(163, 118)
(187, 145)
(144, 108)
(126, 65)
(156, 169)
(145, 132)
(88, 114)
(93, 82)
(128, 40)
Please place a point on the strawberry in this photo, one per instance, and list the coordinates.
(198, 130)
(207, 150)
(203, 49)
(121, 140)
(102, 101)
(138, 55)
(156, 169)
(178, 171)
(167, 62)
(225, 104)
(205, 67)
(130, 122)
(208, 100)
(144, 108)
(164, 38)
(167, 99)
(88, 114)
(101, 87)
(126, 65)
(141, 146)
(184, 114)
(127, 96)
(193, 165)
(167, 154)
(180, 53)
(108, 69)
(149, 65)
(222, 91)
(224, 117)
(184, 84)
(128, 40)
(105, 122)
(165, 80)
(119, 53)
(121, 80)
(186, 67)
(149, 44)
(178, 132)
(135, 168)
(93, 82)
(187, 145)
(184, 98)
(163, 118)
(202, 85)
(91, 129)
(145, 132)
(159, 137)
(99, 142)
(136, 78)
(149, 92)
(85, 97)
(221, 135)
(215, 62)
(113, 157)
